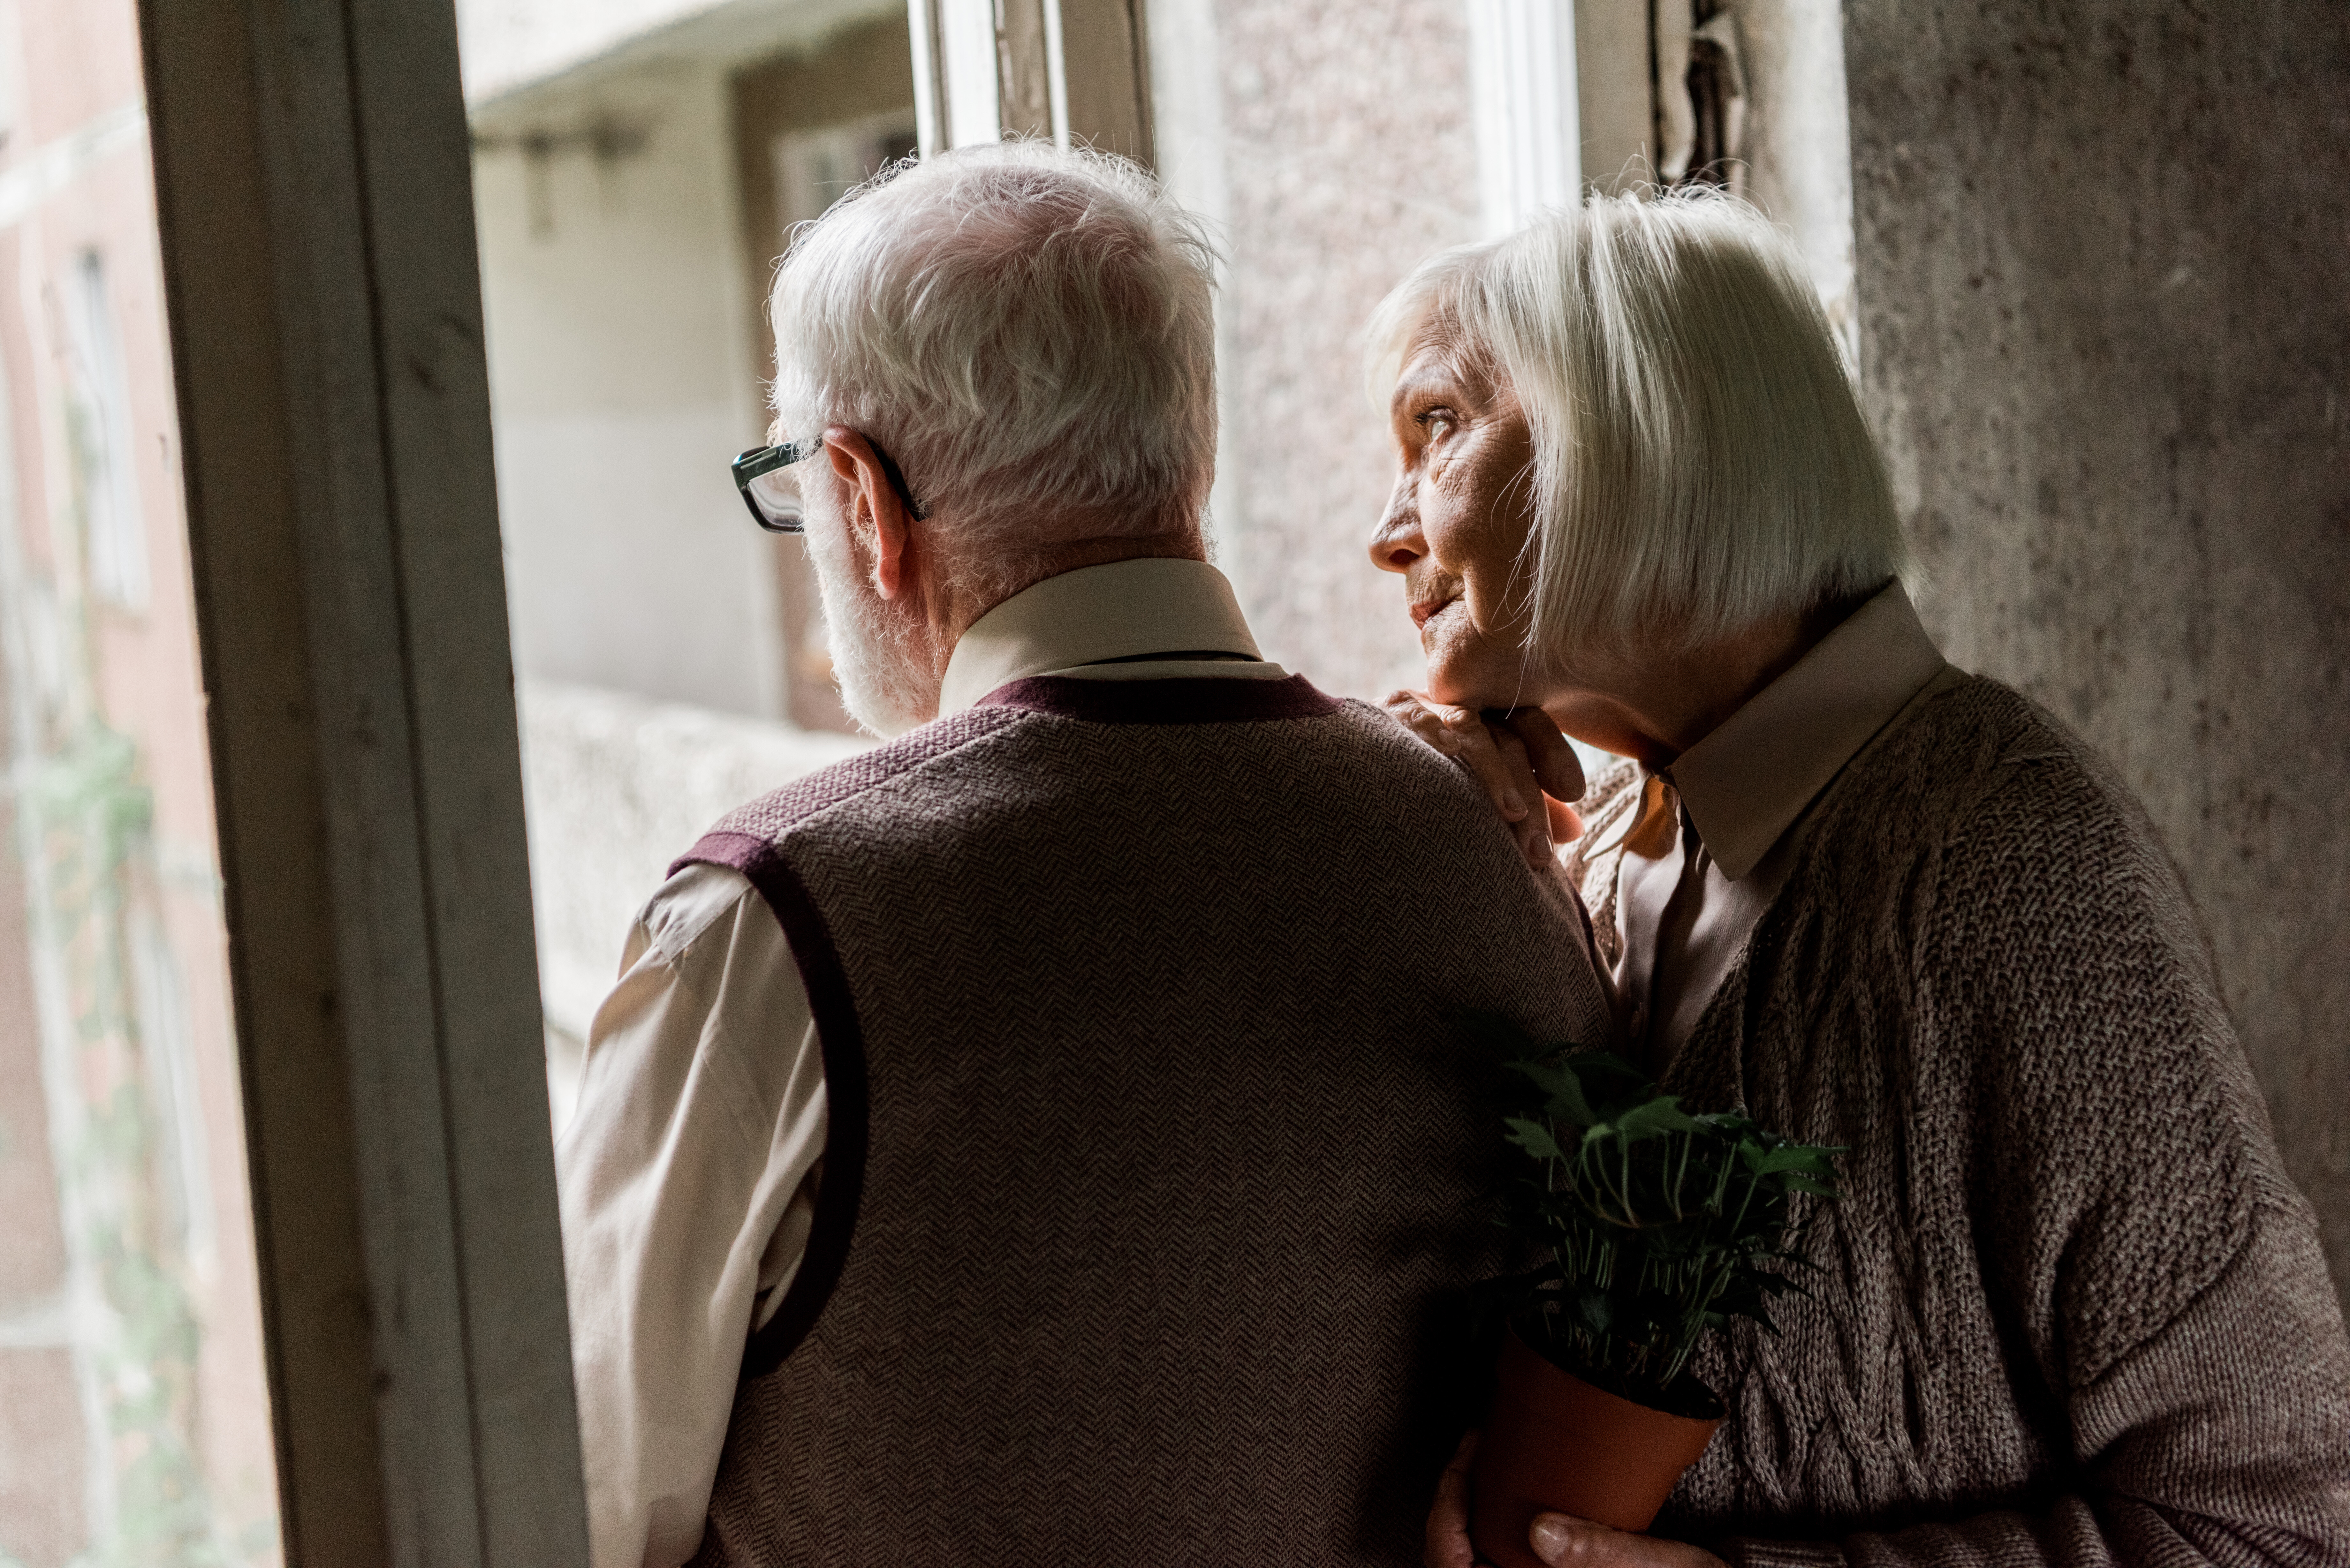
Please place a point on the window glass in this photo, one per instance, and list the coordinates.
(636, 173)
(134, 1416)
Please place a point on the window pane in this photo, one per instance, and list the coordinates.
(134, 1415)
(635, 173)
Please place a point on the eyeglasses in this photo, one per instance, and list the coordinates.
(771, 488)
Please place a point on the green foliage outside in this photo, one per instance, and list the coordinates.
(1655, 1226)
(95, 815)
(86, 818)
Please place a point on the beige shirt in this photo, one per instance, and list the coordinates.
(1717, 833)
(689, 1172)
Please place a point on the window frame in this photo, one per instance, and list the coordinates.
(314, 195)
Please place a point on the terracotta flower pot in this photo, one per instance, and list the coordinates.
(1557, 1444)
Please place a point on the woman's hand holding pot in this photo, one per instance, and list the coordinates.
(1560, 1540)
(1519, 757)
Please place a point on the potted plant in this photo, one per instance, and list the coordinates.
(1652, 1226)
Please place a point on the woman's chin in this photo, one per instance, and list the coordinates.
(1469, 668)
(1462, 684)
(1445, 689)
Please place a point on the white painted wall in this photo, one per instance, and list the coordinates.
(623, 378)
(509, 43)
(508, 46)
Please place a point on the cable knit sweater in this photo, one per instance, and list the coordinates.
(2070, 1309)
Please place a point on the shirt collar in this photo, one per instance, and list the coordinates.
(1113, 611)
(1746, 782)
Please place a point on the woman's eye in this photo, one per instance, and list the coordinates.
(1436, 424)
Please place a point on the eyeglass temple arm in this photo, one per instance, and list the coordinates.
(762, 460)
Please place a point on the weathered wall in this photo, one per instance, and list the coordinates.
(2106, 317)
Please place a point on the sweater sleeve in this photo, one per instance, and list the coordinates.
(2154, 1272)
(2224, 1438)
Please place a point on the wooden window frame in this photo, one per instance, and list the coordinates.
(314, 194)
(1071, 70)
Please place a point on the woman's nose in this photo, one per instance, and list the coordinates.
(1397, 542)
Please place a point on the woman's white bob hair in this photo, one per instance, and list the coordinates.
(1029, 332)
(1702, 461)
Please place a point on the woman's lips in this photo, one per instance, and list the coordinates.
(1429, 610)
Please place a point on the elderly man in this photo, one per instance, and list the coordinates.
(1045, 1138)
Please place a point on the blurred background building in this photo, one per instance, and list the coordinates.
(134, 1419)
(636, 170)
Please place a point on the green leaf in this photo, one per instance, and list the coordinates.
(1534, 1138)
(1657, 1224)
(1660, 1116)
(1611, 1088)
(1566, 1092)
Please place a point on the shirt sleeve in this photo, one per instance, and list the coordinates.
(688, 1179)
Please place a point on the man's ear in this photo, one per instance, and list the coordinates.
(873, 508)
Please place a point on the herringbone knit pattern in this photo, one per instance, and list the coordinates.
(1176, 1132)
(2070, 1308)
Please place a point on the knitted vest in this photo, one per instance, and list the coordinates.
(1157, 1125)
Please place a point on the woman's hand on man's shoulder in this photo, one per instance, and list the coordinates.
(1517, 755)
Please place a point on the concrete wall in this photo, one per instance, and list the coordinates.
(507, 43)
(627, 356)
(628, 211)
(617, 788)
(2106, 333)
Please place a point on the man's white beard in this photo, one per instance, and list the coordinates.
(888, 681)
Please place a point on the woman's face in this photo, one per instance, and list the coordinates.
(1455, 528)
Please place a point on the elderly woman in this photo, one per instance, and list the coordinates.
(2069, 1309)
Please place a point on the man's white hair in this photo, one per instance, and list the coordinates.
(1702, 463)
(1028, 332)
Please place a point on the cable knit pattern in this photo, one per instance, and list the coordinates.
(1167, 1178)
(2070, 1309)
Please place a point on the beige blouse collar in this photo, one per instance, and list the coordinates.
(1745, 784)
